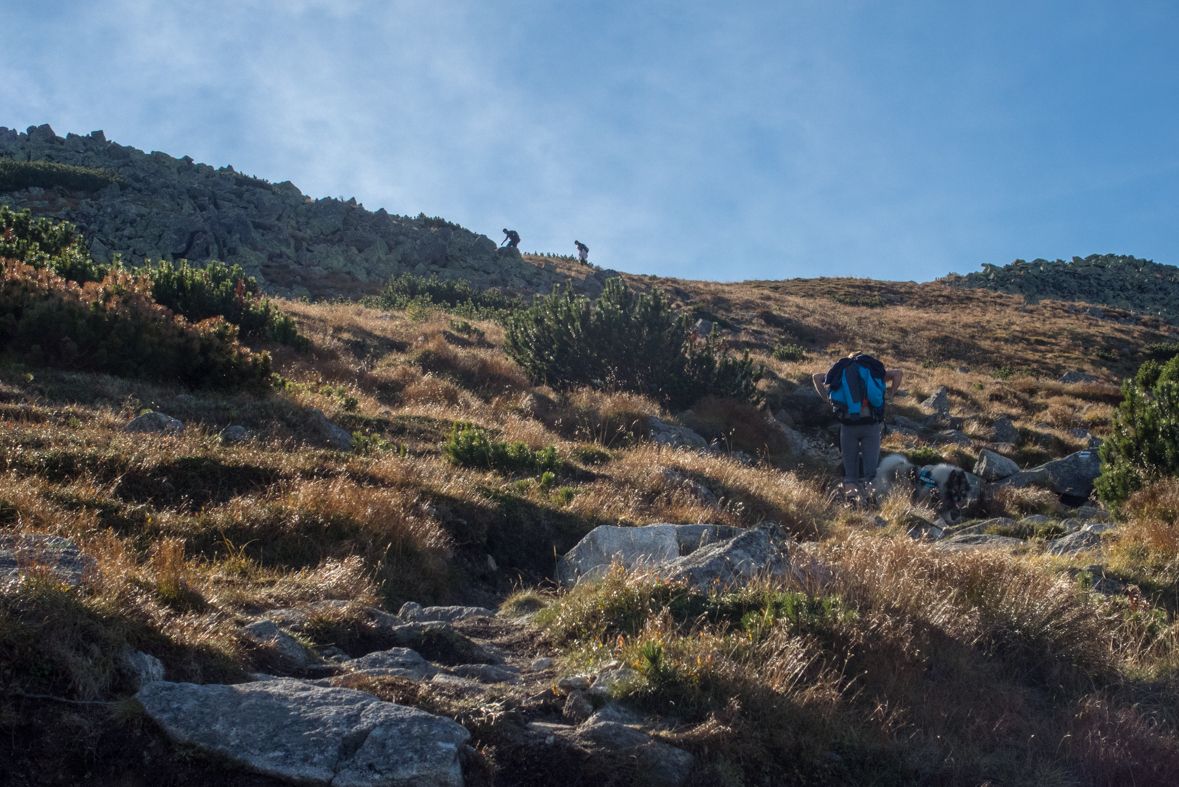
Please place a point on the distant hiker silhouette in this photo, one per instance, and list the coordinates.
(582, 252)
(512, 239)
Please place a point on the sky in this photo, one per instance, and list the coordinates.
(745, 140)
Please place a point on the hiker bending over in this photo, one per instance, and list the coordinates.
(512, 239)
(582, 252)
(857, 388)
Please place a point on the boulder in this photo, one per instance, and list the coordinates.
(1074, 474)
(235, 434)
(702, 328)
(938, 402)
(675, 436)
(415, 613)
(142, 668)
(309, 734)
(488, 673)
(1004, 430)
(730, 564)
(953, 437)
(907, 423)
(292, 655)
(578, 707)
(1077, 377)
(661, 763)
(333, 435)
(36, 554)
(397, 662)
(652, 545)
(1087, 539)
(920, 527)
(154, 422)
(973, 541)
(994, 467)
(695, 489)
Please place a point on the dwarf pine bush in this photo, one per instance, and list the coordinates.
(627, 341)
(470, 446)
(1143, 445)
(16, 175)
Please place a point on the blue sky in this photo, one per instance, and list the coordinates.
(892, 140)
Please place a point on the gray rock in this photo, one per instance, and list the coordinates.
(397, 662)
(784, 417)
(1033, 520)
(1093, 311)
(154, 423)
(292, 655)
(540, 663)
(1087, 539)
(574, 683)
(333, 435)
(994, 467)
(577, 708)
(674, 436)
(1074, 474)
(1092, 514)
(1005, 431)
(617, 713)
(733, 563)
(702, 328)
(953, 436)
(142, 668)
(907, 423)
(36, 554)
(697, 490)
(971, 542)
(938, 402)
(488, 673)
(608, 678)
(311, 735)
(631, 547)
(235, 434)
(921, 528)
(661, 763)
(415, 613)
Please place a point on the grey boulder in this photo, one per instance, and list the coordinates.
(1087, 539)
(1072, 475)
(733, 563)
(396, 662)
(1004, 430)
(413, 612)
(939, 401)
(1077, 377)
(36, 553)
(652, 545)
(974, 541)
(674, 436)
(154, 423)
(311, 735)
(333, 435)
(291, 654)
(994, 467)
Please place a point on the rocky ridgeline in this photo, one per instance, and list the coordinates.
(1112, 280)
(169, 208)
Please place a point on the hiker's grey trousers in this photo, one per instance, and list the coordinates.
(857, 442)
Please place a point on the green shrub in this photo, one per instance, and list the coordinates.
(453, 295)
(465, 328)
(1163, 351)
(470, 446)
(624, 341)
(15, 175)
(925, 456)
(869, 301)
(42, 243)
(1143, 445)
(789, 352)
(114, 326)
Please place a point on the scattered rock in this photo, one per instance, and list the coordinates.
(1087, 539)
(292, 656)
(732, 563)
(488, 673)
(984, 526)
(702, 328)
(142, 668)
(784, 417)
(660, 762)
(697, 490)
(398, 662)
(235, 434)
(907, 423)
(994, 467)
(333, 435)
(154, 423)
(541, 663)
(571, 683)
(920, 527)
(970, 542)
(415, 613)
(1092, 514)
(1004, 430)
(938, 402)
(674, 436)
(577, 708)
(953, 436)
(310, 735)
(609, 677)
(35, 554)
(652, 545)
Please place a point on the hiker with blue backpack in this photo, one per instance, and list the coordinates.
(857, 387)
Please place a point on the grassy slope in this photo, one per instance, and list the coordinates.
(936, 669)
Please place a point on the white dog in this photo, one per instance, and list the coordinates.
(943, 486)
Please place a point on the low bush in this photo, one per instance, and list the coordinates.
(16, 175)
(624, 341)
(470, 446)
(1143, 445)
(114, 326)
(788, 352)
(454, 295)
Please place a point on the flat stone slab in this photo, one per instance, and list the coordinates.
(632, 547)
(396, 662)
(731, 563)
(415, 613)
(1087, 539)
(34, 554)
(971, 542)
(154, 422)
(311, 735)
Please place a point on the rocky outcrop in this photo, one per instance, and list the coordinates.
(1118, 281)
(631, 547)
(731, 564)
(1072, 475)
(162, 207)
(674, 436)
(994, 467)
(309, 734)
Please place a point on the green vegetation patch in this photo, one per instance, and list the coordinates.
(16, 175)
(470, 446)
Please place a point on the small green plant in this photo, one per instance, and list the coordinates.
(925, 455)
(788, 352)
(1003, 373)
(563, 496)
(868, 301)
(591, 454)
(465, 328)
(470, 446)
(1160, 351)
(1106, 354)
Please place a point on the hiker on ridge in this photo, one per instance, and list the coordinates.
(857, 387)
(512, 239)
(582, 252)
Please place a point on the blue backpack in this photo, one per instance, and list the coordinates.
(857, 389)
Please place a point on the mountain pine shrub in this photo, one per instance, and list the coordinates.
(626, 341)
(1143, 446)
(15, 175)
(456, 296)
(470, 446)
(114, 326)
